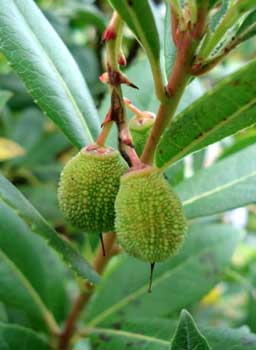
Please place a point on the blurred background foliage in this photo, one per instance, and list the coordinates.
(33, 151)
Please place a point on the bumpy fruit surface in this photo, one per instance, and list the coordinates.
(150, 224)
(140, 127)
(88, 187)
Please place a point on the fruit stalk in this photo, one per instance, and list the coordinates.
(114, 77)
(140, 125)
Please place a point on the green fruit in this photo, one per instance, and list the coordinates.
(140, 127)
(150, 223)
(88, 187)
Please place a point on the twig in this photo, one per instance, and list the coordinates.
(132, 108)
(114, 77)
(118, 114)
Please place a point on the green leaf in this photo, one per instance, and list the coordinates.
(248, 27)
(156, 327)
(176, 173)
(48, 172)
(19, 129)
(238, 145)
(13, 337)
(245, 6)
(50, 73)
(3, 314)
(131, 337)
(87, 57)
(169, 46)
(198, 160)
(36, 261)
(86, 14)
(197, 268)
(229, 107)
(187, 335)
(4, 97)
(212, 3)
(228, 184)
(41, 194)
(17, 291)
(217, 17)
(45, 150)
(15, 200)
(146, 31)
(11, 82)
(155, 334)
(230, 339)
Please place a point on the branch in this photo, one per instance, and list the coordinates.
(114, 77)
(186, 42)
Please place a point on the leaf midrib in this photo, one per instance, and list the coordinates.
(127, 334)
(217, 189)
(29, 331)
(200, 139)
(99, 318)
(59, 77)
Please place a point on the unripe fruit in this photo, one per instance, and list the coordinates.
(140, 127)
(150, 223)
(88, 187)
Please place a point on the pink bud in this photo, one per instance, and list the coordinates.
(104, 78)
